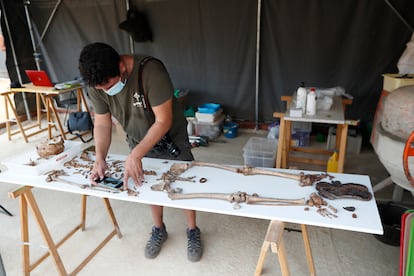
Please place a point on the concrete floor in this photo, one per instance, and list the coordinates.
(231, 244)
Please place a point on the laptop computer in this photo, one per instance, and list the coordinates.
(39, 78)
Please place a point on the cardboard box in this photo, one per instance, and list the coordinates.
(394, 81)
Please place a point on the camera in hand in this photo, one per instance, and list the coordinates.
(166, 144)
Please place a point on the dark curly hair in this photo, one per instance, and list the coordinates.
(97, 63)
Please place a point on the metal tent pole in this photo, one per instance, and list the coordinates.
(131, 41)
(16, 64)
(52, 15)
(36, 54)
(399, 16)
(259, 8)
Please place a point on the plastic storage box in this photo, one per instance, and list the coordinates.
(208, 108)
(210, 130)
(260, 152)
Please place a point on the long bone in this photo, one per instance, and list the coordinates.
(246, 170)
(304, 179)
(240, 197)
(55, 176)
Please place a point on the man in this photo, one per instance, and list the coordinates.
(154, 124)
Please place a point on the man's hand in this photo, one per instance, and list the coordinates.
(133, 169)
(98, 171)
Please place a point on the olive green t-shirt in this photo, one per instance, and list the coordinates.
(126, 107)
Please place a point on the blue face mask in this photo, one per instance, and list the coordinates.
(116, 88)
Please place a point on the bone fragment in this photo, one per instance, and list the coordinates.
(171, 177)
(179, 168)
(316, 200)
(165, 186)
(326, 213)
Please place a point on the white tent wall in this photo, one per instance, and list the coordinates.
(209, 46)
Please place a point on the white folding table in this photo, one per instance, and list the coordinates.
(367, 218)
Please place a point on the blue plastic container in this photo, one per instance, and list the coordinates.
(209, 108)
(230, 129)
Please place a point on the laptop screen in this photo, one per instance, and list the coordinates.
(39, 78)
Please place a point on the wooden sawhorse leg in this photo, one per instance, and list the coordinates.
(308, 250)
(9, 102)
(27, 199)
(274, 240)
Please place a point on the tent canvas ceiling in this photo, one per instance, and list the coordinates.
(209, 46)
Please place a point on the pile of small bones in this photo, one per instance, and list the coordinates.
(319, 202)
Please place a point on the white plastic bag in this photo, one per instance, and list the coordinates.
(273, 131)
(406, 62)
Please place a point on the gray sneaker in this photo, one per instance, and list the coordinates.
(158, 237)
(194, 247)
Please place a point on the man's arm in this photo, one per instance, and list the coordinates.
(102, 135)
(163, 122)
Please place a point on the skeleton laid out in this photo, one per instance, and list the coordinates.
(239, 197)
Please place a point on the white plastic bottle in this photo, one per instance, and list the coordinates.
(301, 98)
(311, 102)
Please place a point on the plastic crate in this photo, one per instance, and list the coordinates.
(210, 130)
(260, 152)
(259, 160)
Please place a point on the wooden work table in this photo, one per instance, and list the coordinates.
(218, 181)
(44, 95)
(335, 116)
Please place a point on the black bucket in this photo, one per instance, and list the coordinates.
(390, 214)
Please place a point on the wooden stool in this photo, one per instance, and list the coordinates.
(274, 240)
